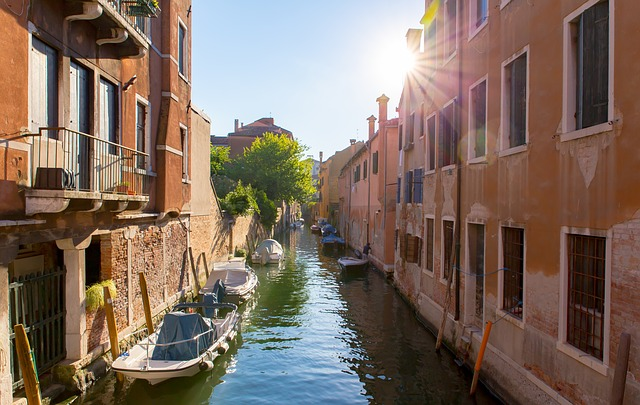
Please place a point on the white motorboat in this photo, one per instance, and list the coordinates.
(184, 344)
(238, 278)
(353, 263)
(268, 252)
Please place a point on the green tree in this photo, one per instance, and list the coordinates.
(268, 210)
(240, 200)
(219, 158)
(275, 164)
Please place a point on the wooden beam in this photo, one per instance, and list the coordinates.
(27, 365)
(145, 302)
(113, 330)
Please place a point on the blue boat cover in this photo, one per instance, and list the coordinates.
(179, 326)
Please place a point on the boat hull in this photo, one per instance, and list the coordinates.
(352, 263)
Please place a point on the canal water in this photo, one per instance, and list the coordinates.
(316, 335)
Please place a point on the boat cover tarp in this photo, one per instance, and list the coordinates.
(178, 326)
(269, 246)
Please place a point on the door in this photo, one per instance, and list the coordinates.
(78, 146)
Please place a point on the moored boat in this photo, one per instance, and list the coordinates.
(333, 240)
(184, 344)
(269, 251)
(353, 263)
(239, 279)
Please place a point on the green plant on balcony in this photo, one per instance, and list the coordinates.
(143, 8)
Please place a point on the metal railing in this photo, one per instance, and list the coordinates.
(65, 159)
(135, 11)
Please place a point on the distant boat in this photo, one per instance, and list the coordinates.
(268, 252)
(315, 228)
(240, 281)
(184, 344)
(353, 263)
(298, 224)
(332, 240)
(329, 229)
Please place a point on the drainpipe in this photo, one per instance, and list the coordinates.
(458, 167)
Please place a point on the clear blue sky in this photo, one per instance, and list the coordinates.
(316, 67)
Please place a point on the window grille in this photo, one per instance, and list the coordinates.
(513, 264)
(586, 271)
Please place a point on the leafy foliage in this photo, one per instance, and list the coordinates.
(274, 164)
(268, 210)
(94, 295)
(219, 158)
(240, 200)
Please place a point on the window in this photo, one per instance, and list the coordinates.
(430, 22)
(108, 114)
(421, 122)
(43, 87)
(417, 186)
(513, 270)
(400, 135)
(478, 14)
(398, 190)
(429, 247)
(141, 133)
(182, 49)
(587, 94)
(356, 174)
(476, 268)
(374, 163)
(413, 248)
(447, 248)
(410, 130)
(408, 186)
(449, 28)
(586, 293)
(431, 142)
(448, 144)
(514, 105)
(364, 170)
(184, 137)
(478, 120)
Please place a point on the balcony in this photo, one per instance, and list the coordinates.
(123, 26)
(72, 172)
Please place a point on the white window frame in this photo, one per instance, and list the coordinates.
(569, 78)
(562, 345)
(39, 103)
(473, 17)
(147, 129)
(505, 149)
(500, 312)
(471, 278)
(472, 133)
(453, 246)
(429, 272)
(503, 3)
(446, 58)
(427, 143)
(452, 164)
(185, 153)
(182, 55)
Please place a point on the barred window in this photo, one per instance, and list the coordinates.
(429, 241)
(585, 320)
(513, 263)
(447, 237)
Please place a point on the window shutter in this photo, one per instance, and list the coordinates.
(374, 163)
(479, 101)
(517, 133)
(398, 190)
(408, 184)
(431, 129)
(593, 66)
(417, 186)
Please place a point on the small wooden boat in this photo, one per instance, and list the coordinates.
(353, 263)
(315, 228)
(268, 252)
(184, 344)
(239, 279)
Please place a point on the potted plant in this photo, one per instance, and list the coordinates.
(122, 187)
(144, 8)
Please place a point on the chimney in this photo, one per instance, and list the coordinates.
(413, 40)
(235, 126)
(321, 157)
(352, 141)
(382, 107)
(372, 126)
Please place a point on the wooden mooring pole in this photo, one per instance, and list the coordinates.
(620, 373)
(194, 270)
(483, 346)
(145, 302)
(113, 330)
(27, 365)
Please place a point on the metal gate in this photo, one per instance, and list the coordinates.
(37, 301)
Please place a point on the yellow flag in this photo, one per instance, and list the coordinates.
(430, 13)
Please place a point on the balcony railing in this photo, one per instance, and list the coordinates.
(137, 13)
(64, 159)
